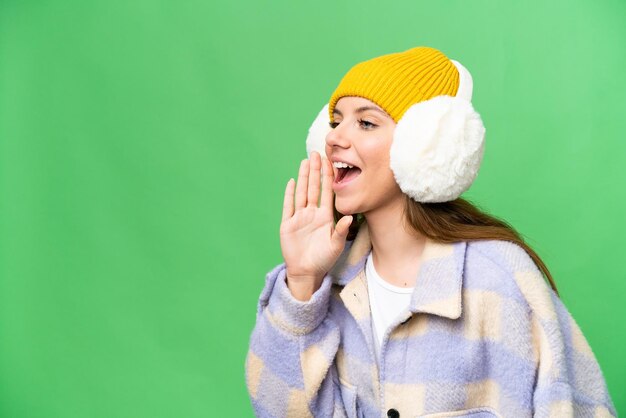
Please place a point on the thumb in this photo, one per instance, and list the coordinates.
(341, 230)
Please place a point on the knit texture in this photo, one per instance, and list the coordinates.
(484, 336)
(396, 81)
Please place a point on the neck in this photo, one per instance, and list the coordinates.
(396, 247)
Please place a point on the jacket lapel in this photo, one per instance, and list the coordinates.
(438, 288)
(439, 284)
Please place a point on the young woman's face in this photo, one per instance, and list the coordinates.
(361, 137)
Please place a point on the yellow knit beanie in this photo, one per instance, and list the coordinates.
(396, 81)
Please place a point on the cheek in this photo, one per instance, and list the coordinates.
(378, 155)
(379, 164)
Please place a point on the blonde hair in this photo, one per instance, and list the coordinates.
(457, 220)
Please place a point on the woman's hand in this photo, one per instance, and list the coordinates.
(309, 241)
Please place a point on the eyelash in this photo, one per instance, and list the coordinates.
(371, 125)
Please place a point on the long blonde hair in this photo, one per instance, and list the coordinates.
(457, 220)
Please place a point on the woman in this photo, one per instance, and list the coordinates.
(415, 303)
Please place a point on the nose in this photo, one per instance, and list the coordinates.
(337, 137)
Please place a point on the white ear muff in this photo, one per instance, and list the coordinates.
(316, 139)
(438, 146)
(466, 84)
(437, 149)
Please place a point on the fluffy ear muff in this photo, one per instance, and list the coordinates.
(316, 139)
(437, 148)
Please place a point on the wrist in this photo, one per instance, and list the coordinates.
(303, 287)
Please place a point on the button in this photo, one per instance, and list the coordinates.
(393, 413)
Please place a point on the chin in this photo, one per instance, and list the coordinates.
(346, 208)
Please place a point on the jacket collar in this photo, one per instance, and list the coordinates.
(438, 287)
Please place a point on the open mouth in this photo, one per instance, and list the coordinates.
(347, 174)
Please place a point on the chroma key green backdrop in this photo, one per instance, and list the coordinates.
(145, 146)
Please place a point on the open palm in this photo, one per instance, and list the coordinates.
(309, 240)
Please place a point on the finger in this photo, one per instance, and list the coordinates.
(288, 201)
(341, 231)
(327, 185)
(303, 179)
(314, 179)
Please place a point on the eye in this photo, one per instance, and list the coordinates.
(367, 124)
(333, 125)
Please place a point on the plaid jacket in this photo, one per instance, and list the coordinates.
(484, 336)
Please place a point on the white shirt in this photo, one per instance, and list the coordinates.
(386, 302)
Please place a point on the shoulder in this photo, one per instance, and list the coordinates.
(504, 255)
(506, 268)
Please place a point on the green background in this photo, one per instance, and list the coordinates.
(145, 146)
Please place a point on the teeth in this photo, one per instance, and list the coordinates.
(339, 164)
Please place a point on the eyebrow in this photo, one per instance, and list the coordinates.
(362, 109)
